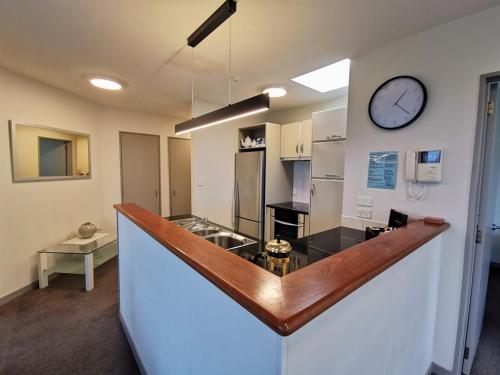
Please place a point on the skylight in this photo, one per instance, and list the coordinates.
(328, 78)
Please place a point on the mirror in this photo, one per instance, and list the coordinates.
(40, 153)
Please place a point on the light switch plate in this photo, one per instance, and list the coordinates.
(294, 192)
(365, 213)
(365, 201)
(199, 181)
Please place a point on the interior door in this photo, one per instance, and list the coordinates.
(306, 139)
(326, 205)
(140, 170)
(179, 156)
(290, 140)
(486, 224)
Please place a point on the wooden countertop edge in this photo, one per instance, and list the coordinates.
(285, 304)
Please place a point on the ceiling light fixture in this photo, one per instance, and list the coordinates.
(106, 83)
(275, 92)
(248, 107)
(328, 78)
(244, 108)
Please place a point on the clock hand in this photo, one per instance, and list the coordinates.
(401, 97)
(402, 108)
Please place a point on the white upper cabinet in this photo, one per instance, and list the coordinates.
(330, 124)
(306, 141)
(290, 140)
(296, 139)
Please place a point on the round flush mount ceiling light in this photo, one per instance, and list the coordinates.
(275, 92)
(106, 83)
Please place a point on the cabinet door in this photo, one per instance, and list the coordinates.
(330, 124)
(326, 205)
(306, 139)
(290, 140)
(328, 160)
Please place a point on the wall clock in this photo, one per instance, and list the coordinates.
(397, 102)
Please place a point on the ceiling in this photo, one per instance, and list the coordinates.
(141, 42)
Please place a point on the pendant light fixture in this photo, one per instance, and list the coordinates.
(247, 107)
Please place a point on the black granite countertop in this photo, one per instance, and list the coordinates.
(302, 208)
(310, 249)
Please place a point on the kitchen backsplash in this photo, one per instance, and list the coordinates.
(301, 181)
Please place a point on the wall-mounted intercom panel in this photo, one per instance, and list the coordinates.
(424, 166)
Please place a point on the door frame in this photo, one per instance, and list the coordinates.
(158, 137)
(170, 172)
(472, 219)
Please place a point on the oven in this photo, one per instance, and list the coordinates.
(288, 224)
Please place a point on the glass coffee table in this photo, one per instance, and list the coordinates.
(78, 259)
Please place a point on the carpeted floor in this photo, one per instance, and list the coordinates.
(64, 330)
(487, 361)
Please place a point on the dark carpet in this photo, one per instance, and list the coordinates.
(64, 330)
(487, 361)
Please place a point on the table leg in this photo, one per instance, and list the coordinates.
(43, 277)
(89, 272)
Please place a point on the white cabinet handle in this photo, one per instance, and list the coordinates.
(289, 224)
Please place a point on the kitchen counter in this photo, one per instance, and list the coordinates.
(287, 303)
(301, 208)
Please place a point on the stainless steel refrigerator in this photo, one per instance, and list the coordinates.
(249, 193)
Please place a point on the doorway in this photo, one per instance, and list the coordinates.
(179, 158)
(55, 157)
(483, 243)
(140, 170)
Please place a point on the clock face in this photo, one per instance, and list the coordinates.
(397, 102)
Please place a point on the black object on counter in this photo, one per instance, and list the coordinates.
(397, 219)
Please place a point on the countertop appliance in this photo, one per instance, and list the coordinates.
(249, 193)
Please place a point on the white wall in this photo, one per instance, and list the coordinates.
(385, 327)
(449, 59)
(204, 332)
(35, 215)
(212, 158)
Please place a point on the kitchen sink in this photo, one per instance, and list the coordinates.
(205, 231)
(228, 240)
(211, 232)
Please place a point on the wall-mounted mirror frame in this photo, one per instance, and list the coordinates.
(15, 160)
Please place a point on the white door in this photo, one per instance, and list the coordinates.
(329, 124)
(179, 156)
(140, 167)
(306, 139)
(328, 160)
(290, 140)
(486, 224)
(326, 205)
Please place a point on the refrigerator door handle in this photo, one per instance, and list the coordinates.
(237, 207)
